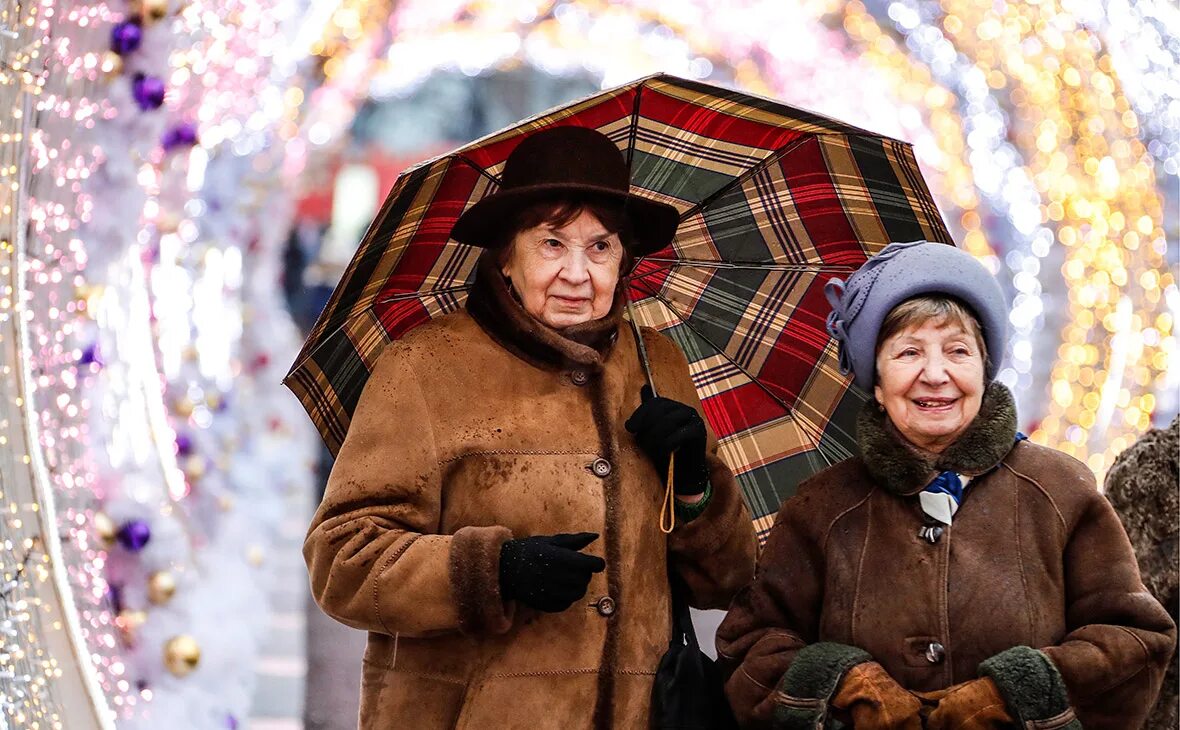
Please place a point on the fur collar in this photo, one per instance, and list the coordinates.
(498, 312)
(905, 470)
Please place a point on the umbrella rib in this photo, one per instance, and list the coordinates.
(631, 133)
(464, 159)
(406, 296)
(746, 175)
(756, 265)
(653, 272)
(805, 425)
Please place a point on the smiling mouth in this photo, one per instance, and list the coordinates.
(934, 404)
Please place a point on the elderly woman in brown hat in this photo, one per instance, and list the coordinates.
(954, 576)
(493, 517)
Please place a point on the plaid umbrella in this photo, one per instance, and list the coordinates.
(773, 202)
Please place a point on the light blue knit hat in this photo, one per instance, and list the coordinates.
(903, 271)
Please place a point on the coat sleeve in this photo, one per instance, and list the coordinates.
(1110, 664)
(373, 551)
(715, 551)
(772, 627)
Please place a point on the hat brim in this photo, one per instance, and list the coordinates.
(653, 224)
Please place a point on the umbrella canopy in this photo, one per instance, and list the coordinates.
(773, 202)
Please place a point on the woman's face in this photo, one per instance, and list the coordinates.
(930, 381)
(565, 276)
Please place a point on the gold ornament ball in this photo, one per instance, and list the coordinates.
(182, 654)
(225, 502)
(128, 622)
(184, 407)
(161, 587)
(213, 399)
(105, 528)
(154, 10)
(194, 467)
(111, 64)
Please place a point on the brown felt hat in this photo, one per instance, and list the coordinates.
(557, 162)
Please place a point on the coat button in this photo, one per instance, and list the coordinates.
(606, 606)
(931, 533)
(579, 377)
(601, 468)
(935, 653)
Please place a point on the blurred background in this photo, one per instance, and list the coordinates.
(182, 183)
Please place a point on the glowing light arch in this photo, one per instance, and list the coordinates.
(966, 97)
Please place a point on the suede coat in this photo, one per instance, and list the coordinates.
(485, 425)
(1034, 584)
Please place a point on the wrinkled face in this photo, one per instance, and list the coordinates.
(930, 381)
(565, 276)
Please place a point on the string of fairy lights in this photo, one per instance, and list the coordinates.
(102, 170)
(40, 176)
(1097, 183)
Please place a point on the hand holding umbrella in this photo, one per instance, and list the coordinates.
(673, 436)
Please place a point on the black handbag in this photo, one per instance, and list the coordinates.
(688, 691)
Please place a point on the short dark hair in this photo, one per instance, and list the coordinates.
(558, 212)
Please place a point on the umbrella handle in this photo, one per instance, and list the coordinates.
(668, 510)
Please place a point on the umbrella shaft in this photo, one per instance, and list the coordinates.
(642, 349)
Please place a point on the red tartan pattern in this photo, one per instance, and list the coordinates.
(774, 202)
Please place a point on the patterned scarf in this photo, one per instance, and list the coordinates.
(943, 495)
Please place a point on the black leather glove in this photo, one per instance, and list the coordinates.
(546, 571)
(662, 426)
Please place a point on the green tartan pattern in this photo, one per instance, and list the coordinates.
(774, 202)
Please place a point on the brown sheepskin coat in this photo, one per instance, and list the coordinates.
(1034, 584)
(485, 425)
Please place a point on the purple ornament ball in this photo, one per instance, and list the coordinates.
(182, 135)
(90, 355)
(126, 37)
(148, 91)
(134, 534)
(231, 722)
(184, 444)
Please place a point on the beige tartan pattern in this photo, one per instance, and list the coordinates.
(755, 314)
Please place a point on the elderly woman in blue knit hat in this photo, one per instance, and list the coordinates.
(954, 575)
